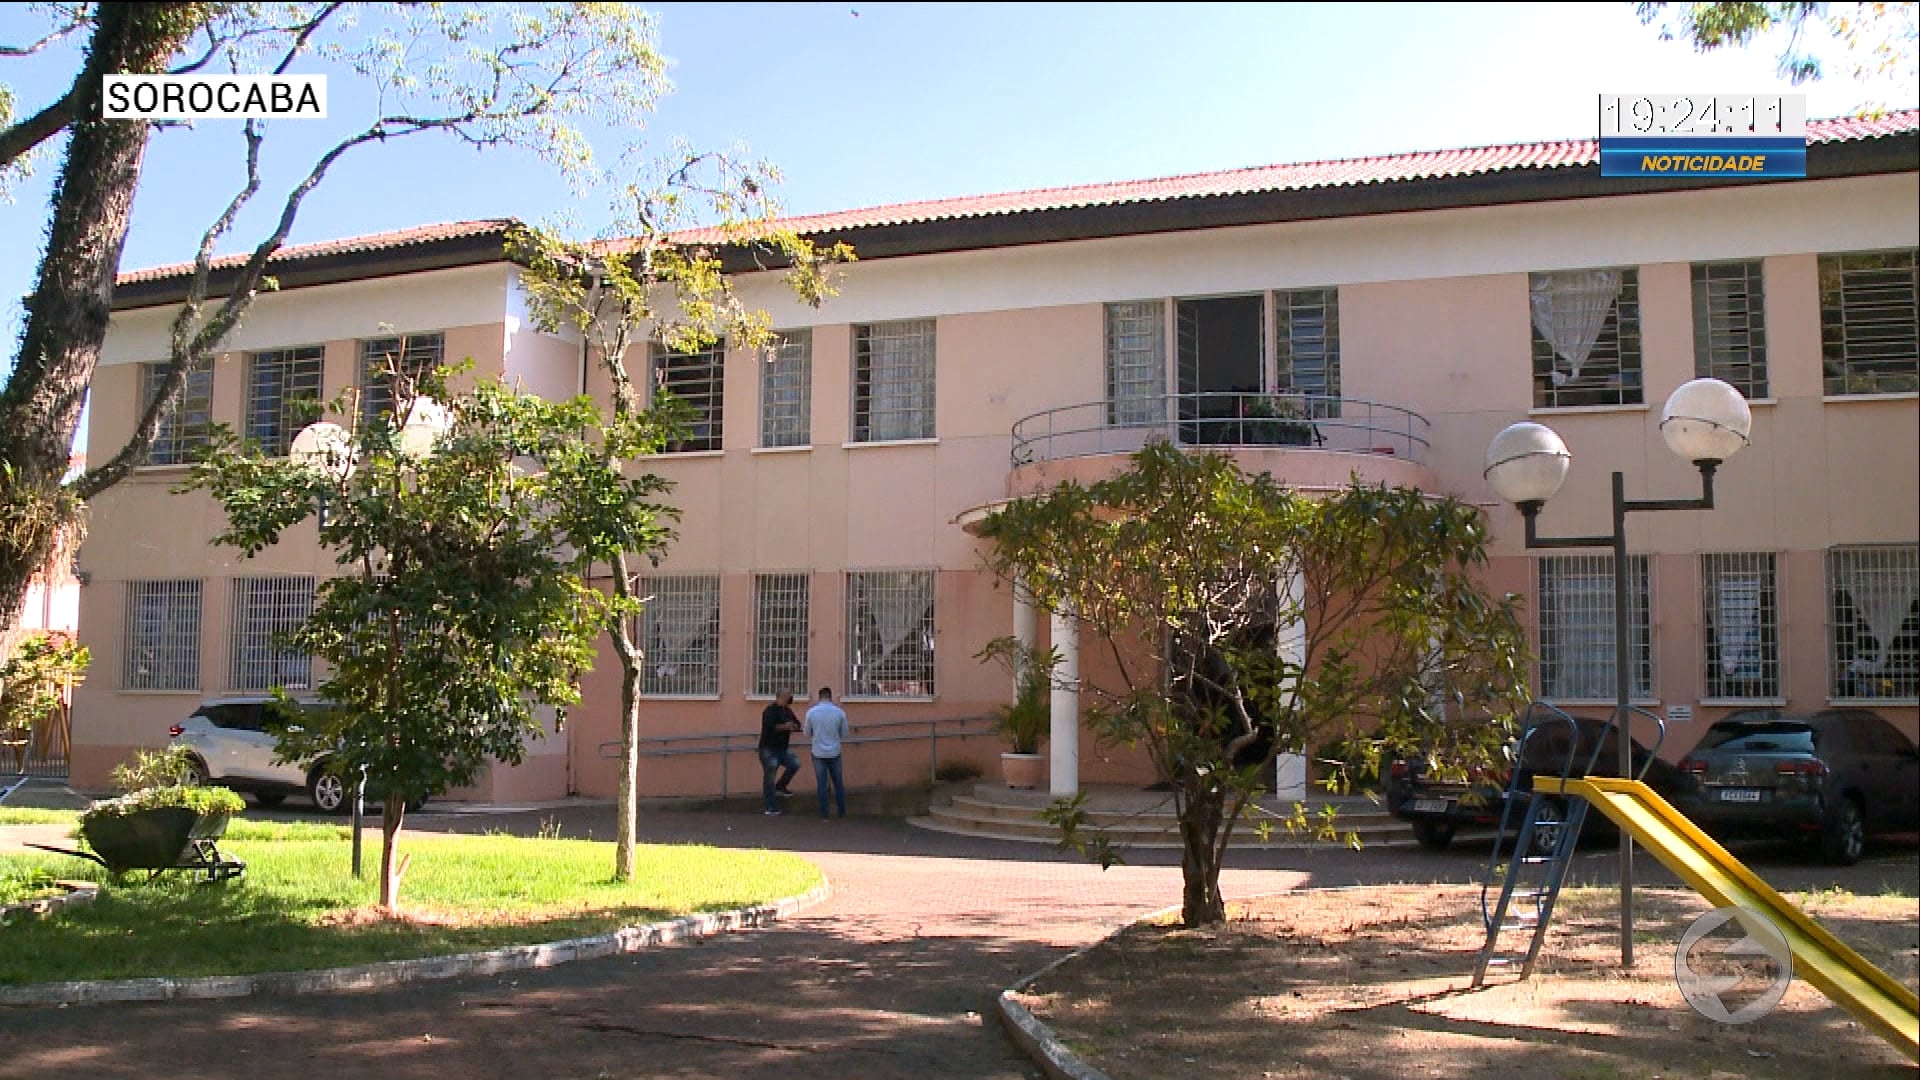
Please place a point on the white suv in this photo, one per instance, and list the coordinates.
(232, 748)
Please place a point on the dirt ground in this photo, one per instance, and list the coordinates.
(1374, 982)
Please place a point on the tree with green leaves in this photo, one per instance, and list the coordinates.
(463, 603)
(485, 75)
(657, 280)
(1878, 40)
(1244, 619)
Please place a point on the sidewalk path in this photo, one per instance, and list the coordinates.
(890, 978)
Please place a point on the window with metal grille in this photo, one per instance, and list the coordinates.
(264, 611)
(1741, 613)
(780, 634)
(697, 378)
(1730, 325)
(1137, 363)
(786, 390)
(385, 363)
(282, 385)
(890, 633)
(1586, 338)
(1874, 622)
(1576, 628)
(893, 380)
(680, 633)
(162, 636)
(189, 425)
(1307, 346)
(1870, 322)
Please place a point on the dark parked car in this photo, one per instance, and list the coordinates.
(1828, 779)
(1438, 809)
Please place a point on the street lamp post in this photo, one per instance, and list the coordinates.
(1705, 421)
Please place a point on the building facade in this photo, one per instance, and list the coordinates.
(1407, 308)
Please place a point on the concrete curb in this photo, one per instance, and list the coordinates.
(399, 972)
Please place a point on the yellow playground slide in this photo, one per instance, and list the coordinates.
(1871, 995)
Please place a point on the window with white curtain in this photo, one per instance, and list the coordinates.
(1873, 616)
(1740, 602)
(893, 380)
(1576, 628)
(680, 635)
(1586, 338)
(1137, 363)
(890, 633)
(786, 390)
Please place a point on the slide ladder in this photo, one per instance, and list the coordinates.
(1530, 883)
(1876, 999)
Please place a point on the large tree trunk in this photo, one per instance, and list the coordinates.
(624, 836)
(1200, 820)
(393, 811)
(68, 310)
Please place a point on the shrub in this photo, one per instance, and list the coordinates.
(200, 800)
(154, 769)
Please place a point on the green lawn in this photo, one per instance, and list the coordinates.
(299, 908)
(27, 815)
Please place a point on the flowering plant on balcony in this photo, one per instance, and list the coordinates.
(1278, 420)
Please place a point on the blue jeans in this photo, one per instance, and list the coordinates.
(772, 761)
(825, 769)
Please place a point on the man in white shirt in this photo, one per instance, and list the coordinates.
(826, 726)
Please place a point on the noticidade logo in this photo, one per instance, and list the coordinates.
(214, 97)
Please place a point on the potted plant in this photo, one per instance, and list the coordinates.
(160, 817)
(1278, 421)
(1024, 722)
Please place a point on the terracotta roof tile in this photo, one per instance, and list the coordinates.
(374, 242)
(1391, 168)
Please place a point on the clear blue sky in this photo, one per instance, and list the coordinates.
(862, 103)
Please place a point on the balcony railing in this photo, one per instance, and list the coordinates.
(1301, 421)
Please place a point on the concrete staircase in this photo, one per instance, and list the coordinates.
(1145, 819)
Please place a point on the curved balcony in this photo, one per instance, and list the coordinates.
(1307, 440)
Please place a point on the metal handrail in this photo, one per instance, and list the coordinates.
(1305, 421)
(728, 743)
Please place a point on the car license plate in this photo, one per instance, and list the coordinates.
(1740, 794)
(1431, 806)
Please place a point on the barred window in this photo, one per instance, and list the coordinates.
(1576, 628)
(189, 425)
(264, 611)
(780, 633)
(1136, 363)
(680, 633)
(1307, 346)
(385, 363)
(282, 384)
(1730, 325)
(893, 380)
(1740, 600)
(890, 633)
(1874, 622)
(1586, 338)
(696, 377)
(1870, 322)
(162, 636)
(786, 390)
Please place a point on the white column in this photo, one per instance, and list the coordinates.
(1063, 741)
(1026, 621)
(1290, 779)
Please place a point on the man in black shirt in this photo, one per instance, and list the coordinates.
(777, 725)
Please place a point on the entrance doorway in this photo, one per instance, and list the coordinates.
(1219, 355)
